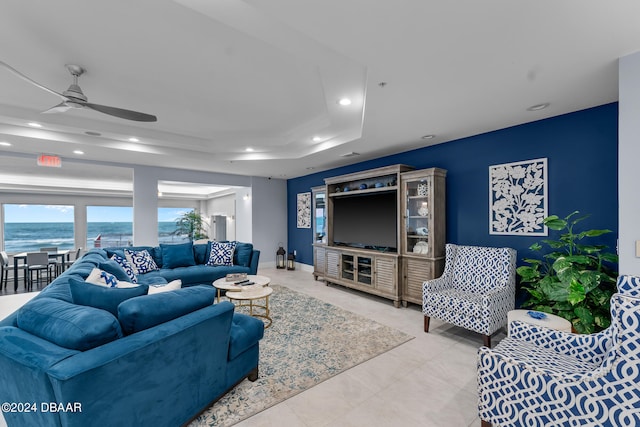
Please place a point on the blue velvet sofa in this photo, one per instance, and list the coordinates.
(79, 354)
(188, 262)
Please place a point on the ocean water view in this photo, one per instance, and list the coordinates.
(31, 236)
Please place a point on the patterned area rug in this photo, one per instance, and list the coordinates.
(308, 342)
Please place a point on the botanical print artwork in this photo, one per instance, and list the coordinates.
(304, 210)
(518, 198)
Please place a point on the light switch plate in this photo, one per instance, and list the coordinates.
(637, 248)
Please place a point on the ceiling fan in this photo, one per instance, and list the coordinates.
(74, 98)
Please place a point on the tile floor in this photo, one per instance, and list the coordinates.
(429, 381)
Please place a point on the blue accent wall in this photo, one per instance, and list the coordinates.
(582, 153)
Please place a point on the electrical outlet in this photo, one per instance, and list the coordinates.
(637, 248)
(295, 253)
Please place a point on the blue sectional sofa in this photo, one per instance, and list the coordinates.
(79, 354)
(188, 262)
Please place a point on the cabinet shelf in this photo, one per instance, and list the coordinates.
(368, 190)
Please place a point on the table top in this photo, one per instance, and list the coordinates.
(61, 252)
(548, 320)
(251, 292)
(259, 281)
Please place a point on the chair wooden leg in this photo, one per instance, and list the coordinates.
(484, 423)
(487, 340)
(426, 323)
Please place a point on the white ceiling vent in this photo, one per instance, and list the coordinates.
(350, 154)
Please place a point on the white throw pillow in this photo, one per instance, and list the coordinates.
(171, 286)
(108, 280)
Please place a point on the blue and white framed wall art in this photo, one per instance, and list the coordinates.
(518, 198)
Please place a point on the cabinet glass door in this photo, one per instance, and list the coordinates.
(364, 271)
(347, 268)
(319, 215)
(417, 216)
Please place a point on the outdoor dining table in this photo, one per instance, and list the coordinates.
(62, 255)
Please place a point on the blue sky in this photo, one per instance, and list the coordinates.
(60, 213)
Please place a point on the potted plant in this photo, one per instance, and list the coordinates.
(191, 224)
(575, 280)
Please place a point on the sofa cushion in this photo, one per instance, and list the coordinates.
(221, 253)
(246, 331)
(104, 298)
(242, 254)
(68, 325)
(140, 313)
(141, 261)
(165, 287)
(201, 252)
(128, 268)
(180, 255)
(196, 274)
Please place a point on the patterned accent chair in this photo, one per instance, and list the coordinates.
(541, 377)
(475, 291)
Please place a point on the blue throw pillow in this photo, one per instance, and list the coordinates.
(112, 267)
(84, 293)
(68, 325)
(131, 274)
(141, 261)
(242, 254)
(201, 252)
(180, 255)
(221, 253)
(138, 314)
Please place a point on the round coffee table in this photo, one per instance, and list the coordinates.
(257, 291)
(223, 284)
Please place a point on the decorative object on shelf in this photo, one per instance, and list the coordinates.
(422, 231)
(363, 186)
(304, 210)
(536, 315)
(291, 261)
(421, 248)
(280, 253)
(378, 185)
(345, 189)
(422, 189)
(423, 210)
(518, 198)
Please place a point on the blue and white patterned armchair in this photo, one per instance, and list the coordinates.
(475, 291)
(541, 377)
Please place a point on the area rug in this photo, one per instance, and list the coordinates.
(308, 342)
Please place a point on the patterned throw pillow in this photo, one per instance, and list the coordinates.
(221, 253)
(141, 261)
(126, 266)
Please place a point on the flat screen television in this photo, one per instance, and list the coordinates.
(366, 221)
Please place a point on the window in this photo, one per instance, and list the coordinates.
(30, 227)
(109, 226)
(168, 230)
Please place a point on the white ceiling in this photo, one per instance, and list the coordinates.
(226, 75)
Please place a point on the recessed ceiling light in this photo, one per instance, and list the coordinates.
(538, 107)
(317, 138)
(92, 133)
(5, 144)
(428, 136)
(134, 139)
(34, 125)
(344, 102)
(78, 152)
(310, 168)
(248, 149)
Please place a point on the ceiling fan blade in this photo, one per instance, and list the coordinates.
(122, 113)
(33, 82)
(60, 108)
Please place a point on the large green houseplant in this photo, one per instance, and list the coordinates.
(191, 224)
(575, 280)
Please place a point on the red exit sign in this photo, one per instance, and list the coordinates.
(49, 160)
